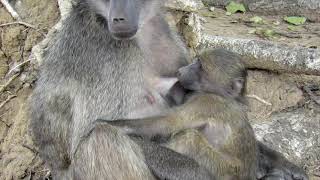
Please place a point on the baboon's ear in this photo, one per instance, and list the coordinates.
(237, 87)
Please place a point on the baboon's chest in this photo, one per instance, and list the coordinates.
(122, 94)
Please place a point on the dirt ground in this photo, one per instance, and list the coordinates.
(239, 26)
(19, 158)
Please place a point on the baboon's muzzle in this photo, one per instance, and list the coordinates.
(123, 19)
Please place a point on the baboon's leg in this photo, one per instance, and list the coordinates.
(193, 144)
(130, 159)
(105, 153)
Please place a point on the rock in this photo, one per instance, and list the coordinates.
(65, 7)
(258, 54)
(307, 8)
(191, 29)
(295, 134)
(271, 88)
(268, 55)
(184, 5)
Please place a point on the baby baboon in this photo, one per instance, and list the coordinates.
(96, 67)
(226, 145)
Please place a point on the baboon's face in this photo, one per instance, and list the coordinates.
(190, 76)
(196, 78)
(210, 77)
(125, 17)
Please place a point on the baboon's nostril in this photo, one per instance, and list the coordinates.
(118, 20)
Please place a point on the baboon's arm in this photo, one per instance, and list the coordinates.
(155, 126)
(50, 118)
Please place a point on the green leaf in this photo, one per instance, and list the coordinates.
(257, 20)
(295, 20)
(269, 33)
(234, 7)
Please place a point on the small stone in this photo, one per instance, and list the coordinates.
(276, 23)
(211, 8)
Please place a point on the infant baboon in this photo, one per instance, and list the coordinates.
(226, 145)
(223, 142)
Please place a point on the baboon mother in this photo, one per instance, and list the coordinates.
(96, 67)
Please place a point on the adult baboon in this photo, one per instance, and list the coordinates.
(97, 67)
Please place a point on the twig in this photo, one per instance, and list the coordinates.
(21, 23)
(3, 87)
(10, 9)
(311, 94)
(24, 24)
(30, 148)
(259, 99)
(7, 100)
(19, 65)
(8, 126)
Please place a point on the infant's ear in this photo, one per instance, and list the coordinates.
(237, 87)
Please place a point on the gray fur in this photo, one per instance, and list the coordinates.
(88, 74)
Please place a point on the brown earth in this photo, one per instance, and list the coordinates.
(18, 158)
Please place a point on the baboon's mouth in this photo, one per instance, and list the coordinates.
(124, 34)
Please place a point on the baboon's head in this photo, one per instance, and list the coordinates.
(217, 71)
(125, 17)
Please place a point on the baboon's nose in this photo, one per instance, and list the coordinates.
(118, 20)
